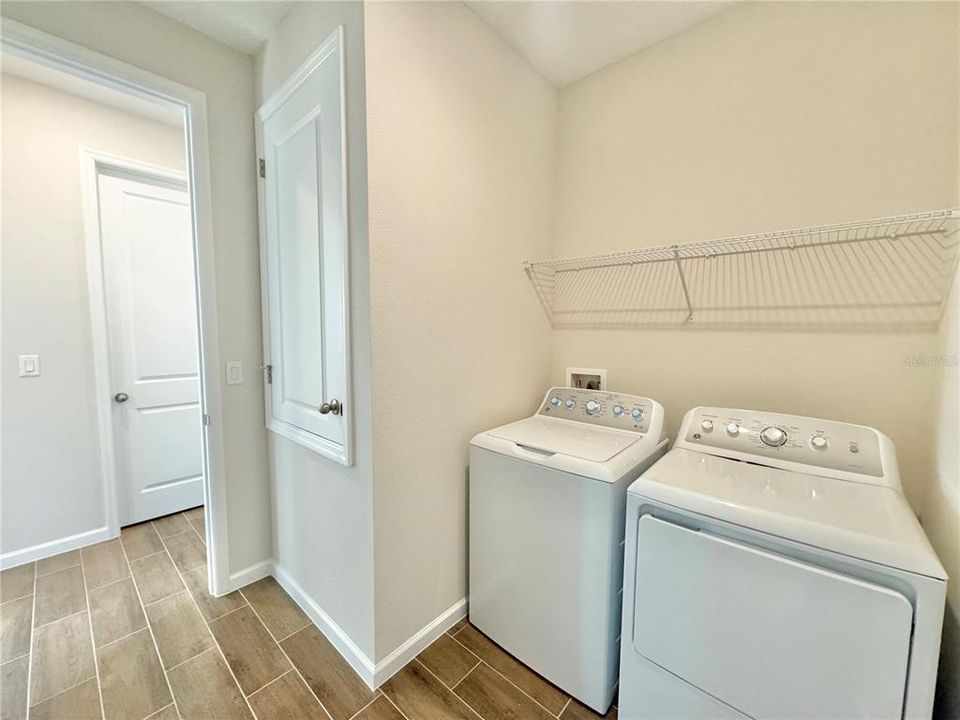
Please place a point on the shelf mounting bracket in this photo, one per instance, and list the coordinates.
(683, 284)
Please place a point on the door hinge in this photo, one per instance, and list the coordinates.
(262, 166)
(206, 420)
(269, 371)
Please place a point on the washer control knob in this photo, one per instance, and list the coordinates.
(819, 442)
(618, 410)
(569, 403)
(733, 429)
(593, 407)
(707, 425)
(636, 414)
(773, 436)
(555, 401)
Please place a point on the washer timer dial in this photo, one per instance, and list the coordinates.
(592, 407)
(773, 436)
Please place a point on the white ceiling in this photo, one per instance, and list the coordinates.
(243, 25)
(567, 41)
(103, 94)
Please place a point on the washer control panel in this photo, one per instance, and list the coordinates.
(616, 410)
(802, 440)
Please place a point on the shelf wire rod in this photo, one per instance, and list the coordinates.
(683, 283)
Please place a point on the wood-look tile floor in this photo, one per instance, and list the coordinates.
(126, 630)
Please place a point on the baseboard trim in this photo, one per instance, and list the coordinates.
(395, 661)
(358, 660)
(54, 547)
(249, 574)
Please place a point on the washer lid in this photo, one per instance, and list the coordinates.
(567, 437)
(871, 522)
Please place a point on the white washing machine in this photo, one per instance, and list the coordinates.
(547, 501)
(773, 569)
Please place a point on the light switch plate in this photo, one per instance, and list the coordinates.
(235, 373)
(29, 365)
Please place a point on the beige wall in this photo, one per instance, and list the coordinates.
(52, 477)
(461, 140)
(132, 33)
(323, 512)
(767, 116)
(771, 116)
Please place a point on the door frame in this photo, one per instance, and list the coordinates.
(55, 52)
(94, 163)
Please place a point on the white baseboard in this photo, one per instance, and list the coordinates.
(395, 661)
(358, 660)
(54, 547)
(249, 574)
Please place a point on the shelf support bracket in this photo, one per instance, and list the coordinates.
(683, 284)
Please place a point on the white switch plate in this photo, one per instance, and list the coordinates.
(235, 373)
(29, 365)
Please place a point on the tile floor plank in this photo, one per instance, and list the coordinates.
(167, 713)
(187, 551)
(493, 696)
(179, 630)
(551, 697)
(196, 520)
(420, 696)
(156, 577)
(62, 657)
(211, 607)
(140, 540)
(58, 595)
(279, 613)
(81, 702)
(16, 582)
(576, 711)
(15, 625)
(286, 698)
(331, 678)
(253, 656)
(448, 660)
(58, 562)
(205, 690)
(13, 689)
(115, 611)
(380, 709)
(171, 525)
(131, 678)
(460, 625)
(104, 563)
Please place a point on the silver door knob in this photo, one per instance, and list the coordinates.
(333, 406)
(121, 397)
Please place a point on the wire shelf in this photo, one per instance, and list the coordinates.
(890, 273)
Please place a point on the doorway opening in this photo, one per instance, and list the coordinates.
(118, 221)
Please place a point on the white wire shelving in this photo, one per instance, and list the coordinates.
(891, 273)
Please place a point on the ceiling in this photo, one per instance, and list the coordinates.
(243, 25)
(97, 92)
(567, 41)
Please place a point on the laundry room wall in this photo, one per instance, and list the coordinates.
(133, 33)
(461, 137)
(323, 511)
(768, 116)
(53, 485)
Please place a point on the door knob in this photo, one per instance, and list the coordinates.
(333, 406)
(121, 397)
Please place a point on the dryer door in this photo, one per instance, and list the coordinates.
(768, 635)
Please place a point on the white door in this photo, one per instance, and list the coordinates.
(305, 249)
(148, 270)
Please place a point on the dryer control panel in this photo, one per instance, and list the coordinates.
(609, 409)
(792, 442)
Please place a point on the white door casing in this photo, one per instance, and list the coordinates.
(304, 248)
(150, 297)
